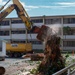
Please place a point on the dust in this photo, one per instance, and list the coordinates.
(52, 30)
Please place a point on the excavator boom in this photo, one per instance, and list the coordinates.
(6, 12)
(21, 12)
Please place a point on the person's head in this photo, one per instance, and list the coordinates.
(52, 47)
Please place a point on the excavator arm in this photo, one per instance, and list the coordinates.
(20, 12)
(6, 12)
(23, 14)
(24, 17)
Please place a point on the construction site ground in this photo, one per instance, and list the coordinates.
(18, 66)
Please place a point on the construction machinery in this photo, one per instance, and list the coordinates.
(20, 48)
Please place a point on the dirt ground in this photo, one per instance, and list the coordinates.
(18, 66)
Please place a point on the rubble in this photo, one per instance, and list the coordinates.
(19, 66)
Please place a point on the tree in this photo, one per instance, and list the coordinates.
(66, 31)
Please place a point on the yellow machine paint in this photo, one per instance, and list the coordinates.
(19, 47)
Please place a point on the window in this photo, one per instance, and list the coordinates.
(73, 31)
(0, 46)
(67, 31)
(4, 23)
(4, 33)
(18, 41)
(69, 43)
(29, 41)
(18, 32)
(16, 21)
(37, 20)
(36, 42)
(69, 20)
(53, 21)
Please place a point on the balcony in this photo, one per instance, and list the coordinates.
(70, 25)
(23, 36)
(69, 37)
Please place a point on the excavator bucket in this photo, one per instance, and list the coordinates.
(42, 34)
(35, 29)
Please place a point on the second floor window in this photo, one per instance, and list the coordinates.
(53, 21)
(16, 21)
(37, 21)
(69, 43)
(18, 32)
(4, 33)
(4, 23)
(69, 20)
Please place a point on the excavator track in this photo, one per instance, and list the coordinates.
(2, 70)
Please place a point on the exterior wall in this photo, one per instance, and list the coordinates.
(15, 24)
(2, 49)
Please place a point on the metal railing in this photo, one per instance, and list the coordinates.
(68, 69)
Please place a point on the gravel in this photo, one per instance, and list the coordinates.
(18, 66)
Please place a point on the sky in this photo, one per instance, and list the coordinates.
(44, 7)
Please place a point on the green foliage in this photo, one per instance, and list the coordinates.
(38, 62)
(66, 30)
(33, 71)
(67, 55)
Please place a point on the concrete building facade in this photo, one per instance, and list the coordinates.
(14, 29)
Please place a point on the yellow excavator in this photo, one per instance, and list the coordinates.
(16, 50)
(22, 14)
(20, 48)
